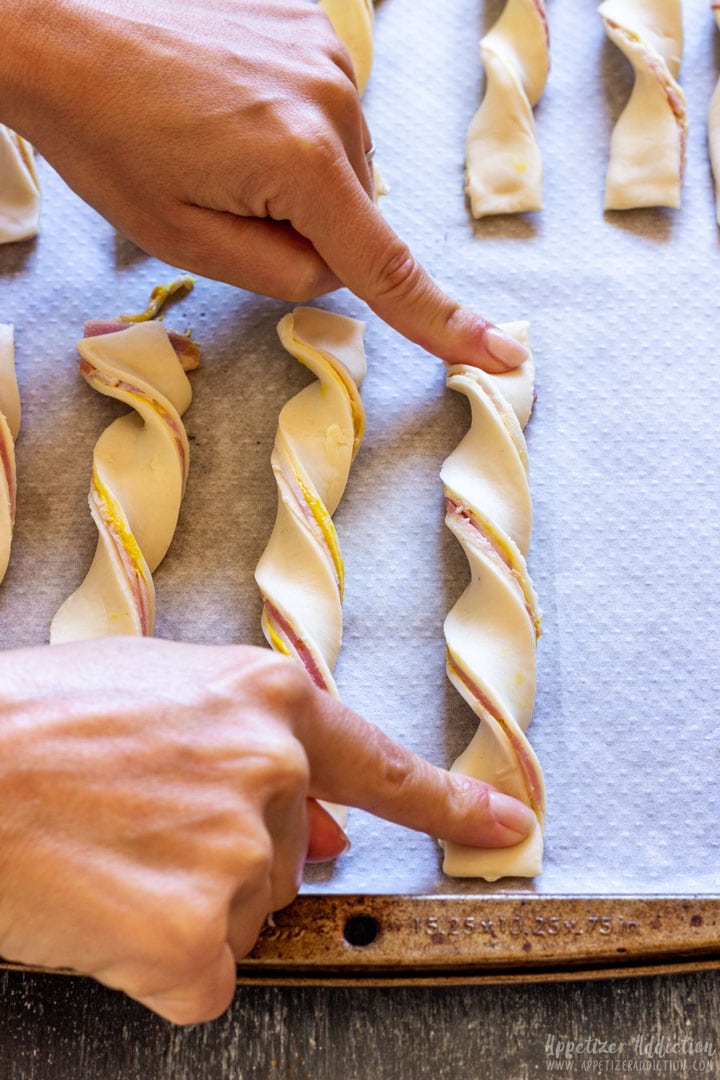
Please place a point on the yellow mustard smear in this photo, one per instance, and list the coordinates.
(325, 524)
(118, 523)
(276, 642)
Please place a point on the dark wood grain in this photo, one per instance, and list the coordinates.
(63, 1028)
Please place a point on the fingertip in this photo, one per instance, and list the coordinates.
(513, 819)
(486, 817)
(475, 341)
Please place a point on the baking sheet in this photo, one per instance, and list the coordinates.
(623, 312)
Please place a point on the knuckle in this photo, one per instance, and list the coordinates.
(255, 854)
(398, 773)
(399, 276)
(282, 683)
(291, 770)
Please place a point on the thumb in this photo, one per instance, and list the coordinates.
(360, 247)
(326, 839)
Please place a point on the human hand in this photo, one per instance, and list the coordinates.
(155, 808)
(227, 137)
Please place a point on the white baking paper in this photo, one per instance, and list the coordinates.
(623, 311)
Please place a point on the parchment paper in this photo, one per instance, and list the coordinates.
(624, 472)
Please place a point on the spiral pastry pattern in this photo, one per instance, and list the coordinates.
(300, 574)
(492, 630)
(19, 188)
(648, 144)
(9, 428)
(503, 173)
(714, 129)
(140, 465)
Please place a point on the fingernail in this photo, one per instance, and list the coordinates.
(512, 814)
(329, 852)
(506, 350)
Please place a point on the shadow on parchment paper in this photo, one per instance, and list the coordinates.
(17, 257)
(127, 253)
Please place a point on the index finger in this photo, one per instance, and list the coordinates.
(353, 762)
(360, 247)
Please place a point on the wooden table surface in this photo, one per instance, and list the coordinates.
(57, 1027)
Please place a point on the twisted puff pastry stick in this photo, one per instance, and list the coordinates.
(9, 428)
(503, 163)
(647, 148)
(491, 632)
(140, 465)
(714, 129)
(19, 188)
(300, 574)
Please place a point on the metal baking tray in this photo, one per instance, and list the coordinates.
(625, 485)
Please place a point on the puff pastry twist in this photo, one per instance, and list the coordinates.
(491, 631)
(503, 163)
(648, 143)
(714, 129)
(140, 465)
(9, 428)
(19, 188)
(300, 574)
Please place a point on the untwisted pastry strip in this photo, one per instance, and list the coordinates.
(140, 465)
(19, 188)
(9, 428)
(647, 148)
(491, 631)
(503, 162)
(714, 129)
(300, 574)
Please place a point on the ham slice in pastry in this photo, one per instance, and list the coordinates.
(714, 130)
(491, 631)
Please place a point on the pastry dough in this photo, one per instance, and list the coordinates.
(714, 130)
(19, 188)
(503, 163)
(491, 631)
(647, 148)
(353, 22)
(9, 428)
(140, 465)
(300, 574)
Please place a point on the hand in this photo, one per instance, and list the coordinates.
(154, 803)
(226, 137)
